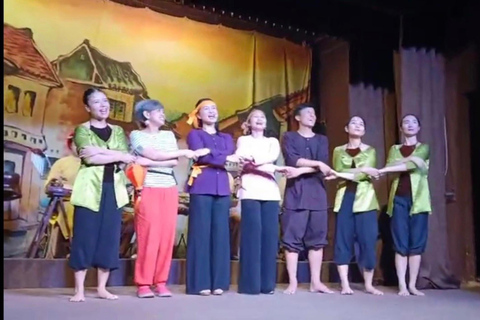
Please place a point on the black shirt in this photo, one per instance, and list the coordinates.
(104, 134)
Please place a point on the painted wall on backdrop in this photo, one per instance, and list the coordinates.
(54, 50)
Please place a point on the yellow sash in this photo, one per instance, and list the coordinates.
(196, 171)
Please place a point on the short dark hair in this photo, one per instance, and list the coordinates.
(301, 107)
(411, 115)
(146, 105)
(88, 93)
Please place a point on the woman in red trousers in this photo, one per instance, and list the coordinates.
(157, 208)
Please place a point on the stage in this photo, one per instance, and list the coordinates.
(54, 273)
(53, 304)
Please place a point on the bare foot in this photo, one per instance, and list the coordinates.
(292, 287)
(374, 291)
(414, 291)
(346, 290)
(104, 294)
(403, 292)
(319, 287)
(78, 297)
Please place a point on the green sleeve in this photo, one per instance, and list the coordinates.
(392, 158)
(423, 152)
(337, 160)
(81, 137)
(372, 159)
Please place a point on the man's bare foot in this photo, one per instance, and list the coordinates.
(78, 297)
(346, 290)
(373, 290)
(104, 294)
(292, 287)
(403, 291)
(319, 287)
(414, 291)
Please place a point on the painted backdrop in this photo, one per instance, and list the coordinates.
(54, 50)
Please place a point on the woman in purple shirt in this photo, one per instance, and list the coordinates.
(208, 251)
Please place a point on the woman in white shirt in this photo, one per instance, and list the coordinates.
(260, 206)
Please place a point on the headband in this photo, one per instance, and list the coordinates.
(192, 116)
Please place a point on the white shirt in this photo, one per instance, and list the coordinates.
(265, 151)
(157, 177)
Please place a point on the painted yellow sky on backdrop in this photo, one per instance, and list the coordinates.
(179, 60)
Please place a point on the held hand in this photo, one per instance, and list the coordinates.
(372, 172)
(291, 172)
(89, 151)
(244, 159)
(190, 154)
(142, 161)
(325, 169)
(128, 158)
(281, 169)
(202, 152)
(331, 176)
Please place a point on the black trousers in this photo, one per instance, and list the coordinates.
(259, 237)
(208, 243)
(304, 229)
(96, 235)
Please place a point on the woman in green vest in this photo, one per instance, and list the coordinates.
(409, 203)
(356, 206)
(98, 195)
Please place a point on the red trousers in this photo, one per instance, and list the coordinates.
(155, 223)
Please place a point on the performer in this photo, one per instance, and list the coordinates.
(156, 217)
(208, 251)
(98, 195)
(260, 205)
(64, 170)
(304, 218)
(356, 206)
(409, 203)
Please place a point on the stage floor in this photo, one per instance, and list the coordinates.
(50, 304)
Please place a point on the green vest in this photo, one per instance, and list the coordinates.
(418, 179)
(87, 189)
(365, 197)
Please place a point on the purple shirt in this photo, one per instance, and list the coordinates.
(306, 192)
(213, 180)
